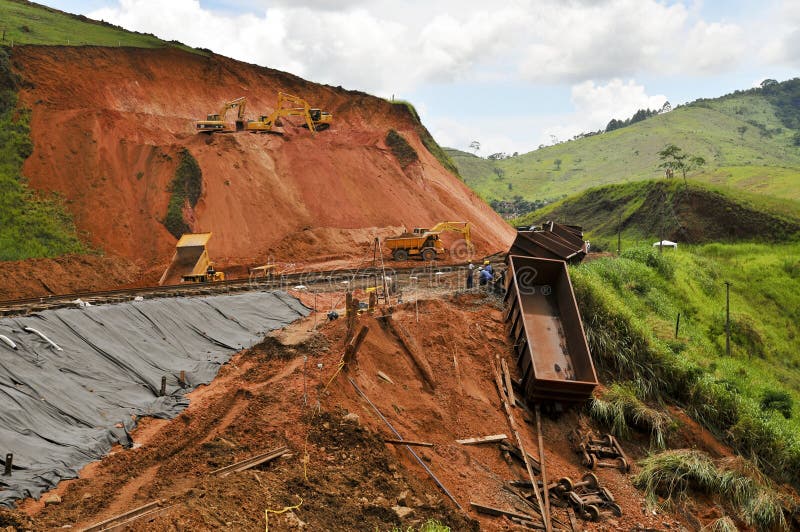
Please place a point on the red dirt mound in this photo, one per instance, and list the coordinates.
(288, 391)
(107, 125)
(64, 275)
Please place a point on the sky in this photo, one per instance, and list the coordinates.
(511, 75)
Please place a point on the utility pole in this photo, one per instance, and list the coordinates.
(619, 234)
(728, 317)
(677, 325)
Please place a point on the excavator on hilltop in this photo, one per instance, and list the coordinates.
(215, 123)
(288, 105)
(425, 243)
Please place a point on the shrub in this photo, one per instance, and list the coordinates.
(778, 400)
(401, 149)
(186, 187)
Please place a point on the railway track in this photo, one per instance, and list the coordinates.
(335, 279)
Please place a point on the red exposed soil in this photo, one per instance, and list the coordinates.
(64, 275)
(107, 124)
(346, 478)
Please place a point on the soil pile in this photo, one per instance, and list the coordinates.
(109, 124)
(339, 473)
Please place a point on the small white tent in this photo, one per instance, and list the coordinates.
(666, 244)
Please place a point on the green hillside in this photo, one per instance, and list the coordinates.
(750, 398)
(750, 140)
(687, 213)
(24, 22)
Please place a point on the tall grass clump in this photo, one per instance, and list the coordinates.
(619, 408)
(723, 524)
(672, 474)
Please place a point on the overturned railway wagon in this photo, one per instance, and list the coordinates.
(545, 325)
(552, 241)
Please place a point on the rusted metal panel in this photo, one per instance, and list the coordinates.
(552, 241)
(545, 326)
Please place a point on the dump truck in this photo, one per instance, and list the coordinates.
(289, 105)
(546, 330)
(425, 243)
(190, 263)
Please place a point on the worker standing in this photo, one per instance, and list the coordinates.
(470, 274)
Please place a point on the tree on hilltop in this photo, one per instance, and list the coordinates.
(675, 159)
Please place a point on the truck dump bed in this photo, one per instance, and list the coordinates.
(190, 258)
(545, 325)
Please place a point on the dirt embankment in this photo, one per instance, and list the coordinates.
(339, 472)
(107, 125)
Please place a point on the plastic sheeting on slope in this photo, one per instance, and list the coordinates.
(59, 408)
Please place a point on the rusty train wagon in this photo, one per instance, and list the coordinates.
(545, 325)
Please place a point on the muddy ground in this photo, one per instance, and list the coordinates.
(339, 474)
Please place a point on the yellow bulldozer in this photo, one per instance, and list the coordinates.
(426, 243)
(215, 123)
(289, 105)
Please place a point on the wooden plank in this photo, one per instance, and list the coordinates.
(498, 512)
(251, 462)
(509, 387)
(543, 465)
(409, 442)
(513, 424)
(385, 377)
(410, 346)
(125, 517)
(494, 438)
(351, 350)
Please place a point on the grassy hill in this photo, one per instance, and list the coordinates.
(24, 22)
(749, 140)
(687, 213)
(749, 399)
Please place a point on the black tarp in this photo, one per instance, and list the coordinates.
(59, 408)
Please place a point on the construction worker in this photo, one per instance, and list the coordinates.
(210, 272)
(484, 276)
(488, 266)
(470, 275)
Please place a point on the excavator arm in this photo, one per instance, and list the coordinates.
(216, 122)
(458, 227)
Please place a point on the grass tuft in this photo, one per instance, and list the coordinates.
(672, 474)
(619, 408)
(723, 524)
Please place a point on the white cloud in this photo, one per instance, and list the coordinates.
(378, 47)
(594, 105)
(597, 104)
(782, 45)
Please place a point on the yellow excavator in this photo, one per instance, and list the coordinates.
(425, 243)
(215, 123)
(289, 105)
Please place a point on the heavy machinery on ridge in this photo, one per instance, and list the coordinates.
(289, 105)
(426, 243)
(215, 123)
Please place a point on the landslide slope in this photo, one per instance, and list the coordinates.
(108, 126)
